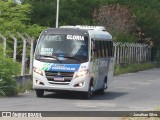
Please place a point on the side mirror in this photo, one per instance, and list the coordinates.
(34, 45)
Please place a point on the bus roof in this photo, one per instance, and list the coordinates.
(94, 34)
(66, 31)
(86, 27)
(99, 35)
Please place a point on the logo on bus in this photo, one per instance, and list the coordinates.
(75, 37)
(58, 74)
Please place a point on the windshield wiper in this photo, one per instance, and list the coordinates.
(51, 56)
(73, 58)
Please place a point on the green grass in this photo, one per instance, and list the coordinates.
(118, 69)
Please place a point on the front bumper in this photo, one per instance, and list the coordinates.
(76, 84)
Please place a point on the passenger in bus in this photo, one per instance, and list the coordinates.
(82, 51)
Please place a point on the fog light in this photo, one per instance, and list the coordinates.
(39, 82)
(79, 84)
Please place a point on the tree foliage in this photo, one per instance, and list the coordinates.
(72, 12)
(118, 20)
(43, 12)
(75, 12)
(8, 85)
(127, 20)
(146, 14)
(15, 17)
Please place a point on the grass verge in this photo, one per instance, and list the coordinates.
(122, 69)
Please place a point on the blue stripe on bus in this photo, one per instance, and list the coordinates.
(64, 67)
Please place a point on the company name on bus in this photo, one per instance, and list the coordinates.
(62, 68)
(75, 37)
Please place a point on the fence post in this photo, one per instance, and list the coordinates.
(130, 54)
(127, 53)
(145, 53)
(15, 46)
(119, 53)
(31, 53)
(4, 44)
(23, 54)
(116, 52)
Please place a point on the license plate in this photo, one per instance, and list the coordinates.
(58, 78)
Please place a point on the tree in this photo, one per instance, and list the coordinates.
(118, 20)
(72, 12)
(75, 12)
(146, 19)
(15, 17)
(43, 13)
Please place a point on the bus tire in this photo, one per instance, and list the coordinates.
(102, 91)
(39, 92)
(88, 94)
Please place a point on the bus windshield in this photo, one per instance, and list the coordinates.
(68, 47)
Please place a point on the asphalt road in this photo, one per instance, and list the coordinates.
(128, 92)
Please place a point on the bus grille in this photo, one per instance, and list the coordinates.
(67, 77)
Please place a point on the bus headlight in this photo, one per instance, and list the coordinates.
(39, 71)
(81, 73)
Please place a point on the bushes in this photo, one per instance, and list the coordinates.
(8, 68)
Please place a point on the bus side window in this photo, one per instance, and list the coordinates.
(96, 49)
(104, 49)
(101, 48)
(112, 52)
(111, 48)
(93, 49)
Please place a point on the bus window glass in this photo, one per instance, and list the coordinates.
(101, 48)
(104, 49)
(112, 49)
(63, 45)
(96, 49)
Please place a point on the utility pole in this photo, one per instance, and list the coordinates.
(57, 15)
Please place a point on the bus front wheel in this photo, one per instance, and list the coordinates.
(88, 94)
(39, 92)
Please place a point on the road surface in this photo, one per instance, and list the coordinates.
(129, 92)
